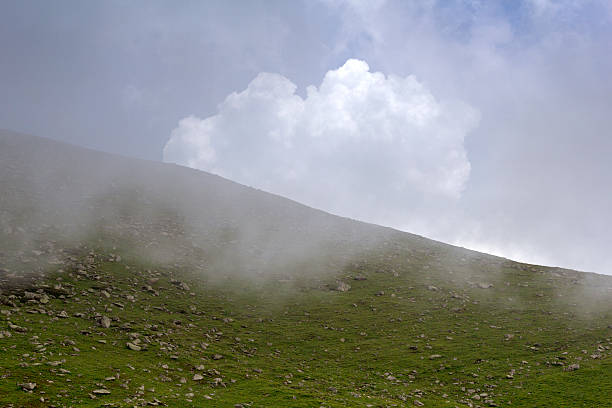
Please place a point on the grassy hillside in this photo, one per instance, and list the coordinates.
(130, 283)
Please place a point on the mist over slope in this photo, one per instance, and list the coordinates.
(166, 212)
(56, 195)
(133, 283)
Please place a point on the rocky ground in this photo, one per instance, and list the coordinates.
(393, 328)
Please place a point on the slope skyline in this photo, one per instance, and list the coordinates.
(127, 282)
(108, 172)
(510, 156)
(305, 203)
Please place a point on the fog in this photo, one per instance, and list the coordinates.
(61, 203)
(57, 196)
(510, 153)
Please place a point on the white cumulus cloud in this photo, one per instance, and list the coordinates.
(361, 144)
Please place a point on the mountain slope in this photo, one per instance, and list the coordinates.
(127, 283)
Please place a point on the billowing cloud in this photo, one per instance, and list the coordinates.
(361, 144)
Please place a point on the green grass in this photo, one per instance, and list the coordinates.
(294, 342)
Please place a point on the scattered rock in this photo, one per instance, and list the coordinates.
(572, 367)
(133, 346)
(101, 391)
(343, 287)
(28, 386)
(218, 382)
(16, 328)
(30, 295)
(105, 322)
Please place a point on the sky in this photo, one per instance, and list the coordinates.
(485, 124)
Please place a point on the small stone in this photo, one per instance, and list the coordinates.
(28, 386)
(30, 295)
(218, 381)
(17, 328)
(133, 346)
(343, 287)
(572, 367)
(198, 377)
(105, 322)
(101, 391)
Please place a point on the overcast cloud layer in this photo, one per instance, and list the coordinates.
(481, 123)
